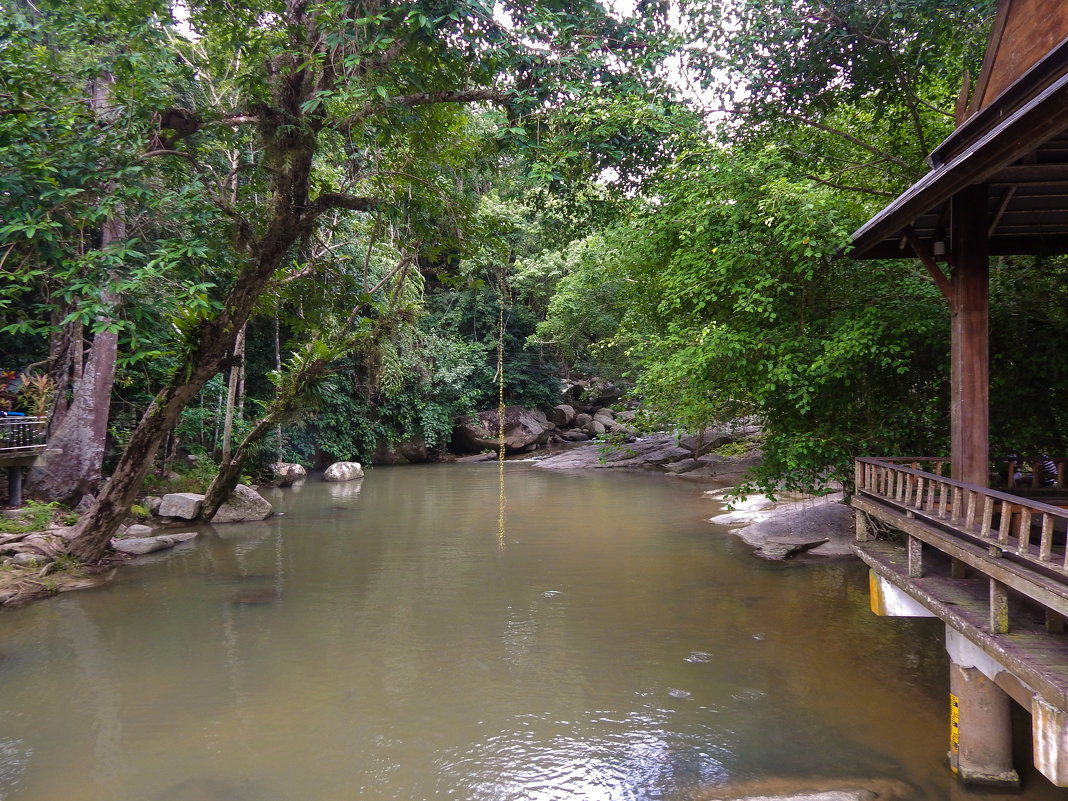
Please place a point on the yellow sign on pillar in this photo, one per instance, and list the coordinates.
(954, 730)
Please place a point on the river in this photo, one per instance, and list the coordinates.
(380, 640)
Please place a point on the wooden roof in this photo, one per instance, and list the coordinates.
(1024, 32)
(1014, 140)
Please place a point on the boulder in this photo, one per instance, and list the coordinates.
(142, 545)
(604, 411)
(607, 421)
(562, 415)
(152, 503)
(183, 505)
(343, 471)
(243, 504)
(138, 530)
(595, 428)
(779, 548)
(285, 474)
(706, 441)
(523, 428)
(26, 559)
(409, 451)
(477, 457)
(574, 435)
(582, 420)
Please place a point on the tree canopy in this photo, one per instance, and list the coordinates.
(318, 213)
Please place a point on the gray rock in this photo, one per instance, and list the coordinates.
(183, 505)
(152, 503)
(243, 504)
(84, 504)
(779, 548)
(143, 545)
(343, 471)
(522, 429)
(27, 559)
(562, 415)
(604, 411)
(137, 530)
(809, 520)
(574, 435)
(478, 457)
(285, 474)
(582, 420)
(682, 466)
(608, 422)
(595, 428)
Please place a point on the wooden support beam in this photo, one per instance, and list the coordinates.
(970, 309)
(927, 259)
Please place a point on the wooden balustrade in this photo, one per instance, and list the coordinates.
(22, 435)
(1039, 477)
(1031, 531)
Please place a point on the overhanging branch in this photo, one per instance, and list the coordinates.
(428, 99)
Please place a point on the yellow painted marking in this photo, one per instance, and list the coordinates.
(954, 723)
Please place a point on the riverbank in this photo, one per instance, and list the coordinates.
(821, 526)
(718, 458)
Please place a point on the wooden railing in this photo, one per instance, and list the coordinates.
(22, 435)
(1038, 477)
(1028, 530)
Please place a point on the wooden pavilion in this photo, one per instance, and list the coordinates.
(992, 566)
(997, 186)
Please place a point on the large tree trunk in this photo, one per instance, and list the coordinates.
(81, 432)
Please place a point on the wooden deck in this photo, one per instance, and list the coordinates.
(1018, 542)
(993, 566)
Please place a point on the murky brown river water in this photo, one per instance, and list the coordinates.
(377, 643)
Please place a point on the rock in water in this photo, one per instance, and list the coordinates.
(185, 505)
(524, 429)
(139, 546)
(343, 471)
(285, 474)
(243, 504)
(783, 548)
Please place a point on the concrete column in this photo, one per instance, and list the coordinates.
(1049, 733)
(14, 486)
(980, 749)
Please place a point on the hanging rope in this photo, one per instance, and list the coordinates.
(500, 416)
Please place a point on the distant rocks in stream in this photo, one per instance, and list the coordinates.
(286, 474)
(343, 471)
(604, 438)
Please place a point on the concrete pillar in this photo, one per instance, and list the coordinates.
(14, 486)
(889, 600)
(980, 742)
(1049, 734)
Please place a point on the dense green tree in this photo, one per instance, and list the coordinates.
(856, 94)
(290, 112)
(737, 307)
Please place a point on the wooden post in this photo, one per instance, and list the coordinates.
(970, 373)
